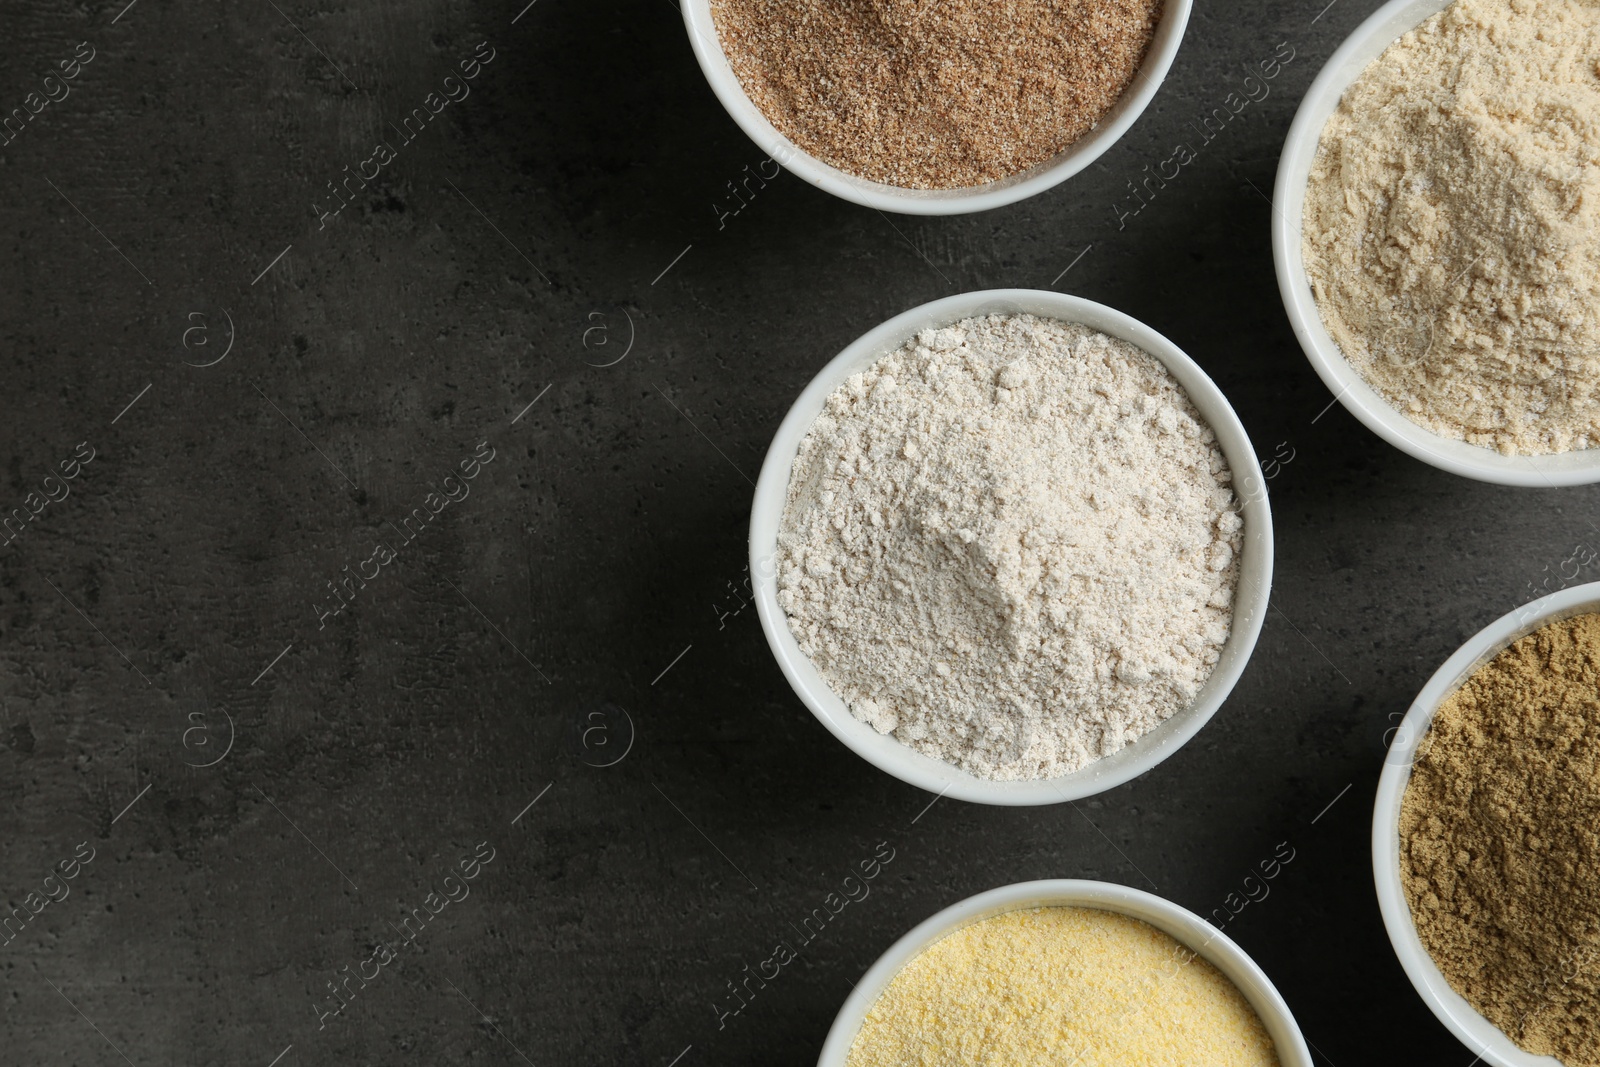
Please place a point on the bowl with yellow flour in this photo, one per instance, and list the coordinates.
(1434, 233)
(1065, 972)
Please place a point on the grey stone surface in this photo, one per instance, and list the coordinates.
(140, 614)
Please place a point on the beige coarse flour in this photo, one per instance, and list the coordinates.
(1451, 219)
(1011, 543)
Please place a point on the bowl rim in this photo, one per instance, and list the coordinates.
(1348, 62)
(1448, 1006)
(1251, 598)
(1178, 922)
(1036, 179)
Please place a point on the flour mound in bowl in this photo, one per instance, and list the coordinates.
(1012, 543)
(1450, 225)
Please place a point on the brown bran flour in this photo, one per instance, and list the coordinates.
(1498, 846)
(935, 94)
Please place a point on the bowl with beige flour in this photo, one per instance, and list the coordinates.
(932, 108)
(1012, 546)
(1065, 972)
(1484, 851)
(1437, 234)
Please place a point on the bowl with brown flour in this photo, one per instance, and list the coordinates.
(933, 107)
(1437, 206)
(1012, 546)
(1483, 837)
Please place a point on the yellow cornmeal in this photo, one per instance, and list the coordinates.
(1067, 987)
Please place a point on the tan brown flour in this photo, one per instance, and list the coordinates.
(1498, 846)
(935, 94)
(1451, 220)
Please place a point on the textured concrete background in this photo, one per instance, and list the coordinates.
(166, 614)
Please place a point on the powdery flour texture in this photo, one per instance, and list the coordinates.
(1011, 543)
(1452, 224)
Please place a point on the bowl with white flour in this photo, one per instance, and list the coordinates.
(1012, 546)
(1433, 234)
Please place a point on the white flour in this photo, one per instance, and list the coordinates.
(1011, 543)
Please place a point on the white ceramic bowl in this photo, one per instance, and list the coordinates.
(1459, 1017)
(1036, 179)
(1181, 924)
(884, 751)
(1386, 25)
